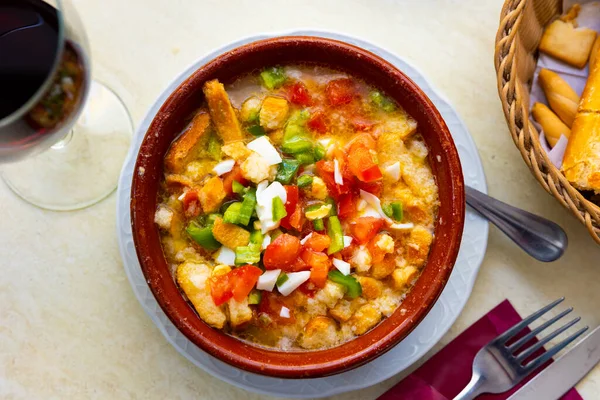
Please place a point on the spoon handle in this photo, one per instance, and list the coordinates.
(540, 238)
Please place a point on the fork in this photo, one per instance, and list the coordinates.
(498, 367)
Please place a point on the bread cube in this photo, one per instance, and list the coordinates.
(193, 280)
(230, 235)
(364, 319)
(222, 112)
(320, 332)
(274, 112)
(212, 194)
(186, 146)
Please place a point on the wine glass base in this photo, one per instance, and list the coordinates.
(83, 168)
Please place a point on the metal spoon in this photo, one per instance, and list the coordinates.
(540, 238)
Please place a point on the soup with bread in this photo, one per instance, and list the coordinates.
(297, 208)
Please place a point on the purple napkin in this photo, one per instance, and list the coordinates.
(445, 374)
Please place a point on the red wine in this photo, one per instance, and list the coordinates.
(43, 78)
(28, 48)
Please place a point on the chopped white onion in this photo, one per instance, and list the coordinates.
(324, 142)
(393, 171)
(285, 312)
(264, 204)
(337, 176)
(305, 239)
(347, 241)
(225, 256)
(342, 266)
(180, 198)
(294, 280)
(224, 167)
(369, 211)
(267, 280)
(265, 149)
(402, 227)
(374, 202)
(266, 241)
(361, 205)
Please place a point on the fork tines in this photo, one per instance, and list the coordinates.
(517, 354)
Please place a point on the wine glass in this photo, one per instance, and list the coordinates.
(63, 136)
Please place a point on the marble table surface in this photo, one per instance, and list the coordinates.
(70, 326)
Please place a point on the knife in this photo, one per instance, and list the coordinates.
(565, 372)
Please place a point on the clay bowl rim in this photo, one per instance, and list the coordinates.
(352, 354)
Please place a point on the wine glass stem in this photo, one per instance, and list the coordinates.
(62, 143)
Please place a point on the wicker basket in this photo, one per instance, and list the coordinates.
(521, 27)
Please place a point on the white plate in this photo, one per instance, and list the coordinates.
(402, 356)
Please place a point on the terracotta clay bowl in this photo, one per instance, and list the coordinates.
(443, 157)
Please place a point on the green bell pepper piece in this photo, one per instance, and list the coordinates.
(287, 171)
(296, 138)
(202, 235)
(247, 254)
(330, 200)
(319, 152)
(335, 232)
(352, 286)
(296, 144)
(273, 77)
(254, 297)
(237, 187)
(381, 101)
(393, 210)
(318, 224)
(397, 211)
(248, 205)
(256, 130)
(387, 209)
(283, 278)
(232, 213)
(278, 209)
(256, 237)
(214, 147)
(306, 158)
(304, 181)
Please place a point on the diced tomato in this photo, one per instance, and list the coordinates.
(236, 283)
(271, 304)
(362, 164)
(234, 175)
(318, 275)
(346, 206)
(319, 266)
(364, 228)
(372, 174)
(221, 288)
(347, 252)
(308, 288)
(325, 171)
(244, 279)
(290, 204)
(372, 187)
(361, 123)
(282, 252)
(363, 139)
(340, 91)
(377, 255)
(298, 94)
(298, 265)
(317, 242)
(317, 122)
(191, 204)
(297, 218)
